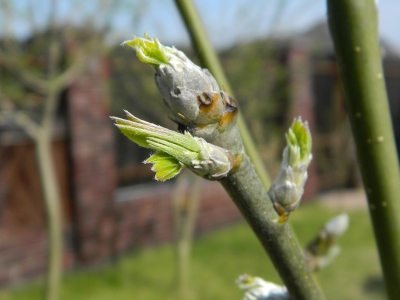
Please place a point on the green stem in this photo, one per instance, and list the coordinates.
(353, 25)
(247, 192)
(208, 59)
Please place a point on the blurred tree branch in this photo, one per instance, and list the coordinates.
(354, 28)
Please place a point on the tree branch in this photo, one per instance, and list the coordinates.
(28, 78)
(353, 25)
(247, 192)
(20, 118)
(67, 77)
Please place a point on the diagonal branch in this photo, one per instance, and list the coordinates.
(27, 124)
(58, 82)
(10, 113)
(27, 77)
(68, 76)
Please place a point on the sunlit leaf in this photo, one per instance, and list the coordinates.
(148, 50)
(164, 165)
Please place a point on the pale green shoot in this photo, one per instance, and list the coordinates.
(298, 140)
(149, 50)
(288, 186)
(176, 150)
(173, 149)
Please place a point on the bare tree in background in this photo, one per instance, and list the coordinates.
(44, 67)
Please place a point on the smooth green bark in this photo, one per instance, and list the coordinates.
(208, 59)
(353, 25)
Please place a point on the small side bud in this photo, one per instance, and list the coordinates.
(336, 226)
(215, 162)
(322, 250)
(288, 187)
(257, 288)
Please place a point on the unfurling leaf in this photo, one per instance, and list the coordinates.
(164, 165)
(148, 50)
(299, 137)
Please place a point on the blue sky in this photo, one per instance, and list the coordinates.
(227, 22)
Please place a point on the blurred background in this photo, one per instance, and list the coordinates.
(63, 72)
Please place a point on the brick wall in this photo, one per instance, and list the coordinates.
(23, 236)
(143, 213)
(17, 264)
(92, 162)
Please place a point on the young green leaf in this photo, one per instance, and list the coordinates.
(164, 165)
(148, 50)
(299, 136)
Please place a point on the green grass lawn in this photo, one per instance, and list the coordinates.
(219, 258)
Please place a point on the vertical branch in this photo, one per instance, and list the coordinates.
(30, 16)
(209, 59)
(52, 200)
(51, 190)
(52, 197)
(185, 211)
(7, 14)
(54, 91)
(193, 205)
(52, 69)
(353, 25)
